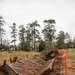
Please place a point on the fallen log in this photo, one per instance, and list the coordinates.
(47, 66)
(23, 68)
(10, 70)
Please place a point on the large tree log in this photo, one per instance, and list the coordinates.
(9, 69)
(47, 66)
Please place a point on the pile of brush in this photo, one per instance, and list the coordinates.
(47, 55)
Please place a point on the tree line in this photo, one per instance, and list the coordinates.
(30, 38)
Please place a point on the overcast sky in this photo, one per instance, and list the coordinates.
(23, 12)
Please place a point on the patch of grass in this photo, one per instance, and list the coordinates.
(70, 53)
(6, 55)
(22, 53)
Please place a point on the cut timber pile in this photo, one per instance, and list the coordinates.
(27, 67)
(36, 66)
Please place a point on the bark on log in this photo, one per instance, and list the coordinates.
(9, 70)
(48, 65)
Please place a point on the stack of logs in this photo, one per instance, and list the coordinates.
(48, 63)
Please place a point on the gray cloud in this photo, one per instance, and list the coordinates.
(25, 11)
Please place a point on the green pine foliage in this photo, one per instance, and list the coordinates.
(42, 45)
(27, 46)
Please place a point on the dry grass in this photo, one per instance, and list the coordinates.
(71, 58)
(70, 53)
(21, 54)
